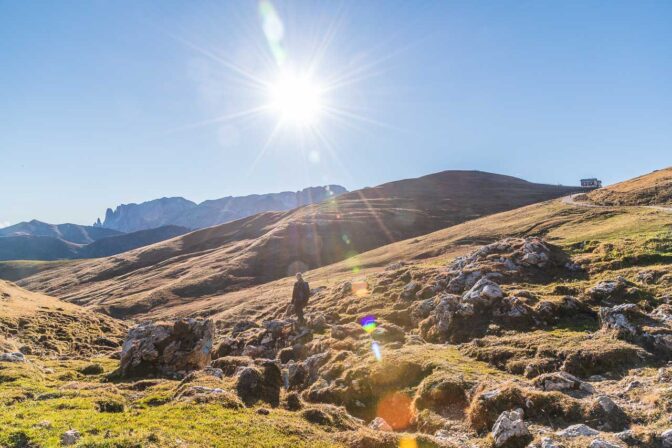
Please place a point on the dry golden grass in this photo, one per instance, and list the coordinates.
(650, 189)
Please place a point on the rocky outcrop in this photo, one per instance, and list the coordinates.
(454, 318)
(507, 259)
(629, 322)
(167, 348)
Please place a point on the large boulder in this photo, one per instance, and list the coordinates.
(510, 431)
(255, 384)
(484, 293)
(167, 348)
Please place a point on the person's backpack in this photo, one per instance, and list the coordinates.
(305, 294)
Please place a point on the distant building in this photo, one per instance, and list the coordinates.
(591, 183)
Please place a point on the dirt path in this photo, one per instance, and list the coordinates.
(570, 200)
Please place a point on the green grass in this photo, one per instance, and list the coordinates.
(55, 392)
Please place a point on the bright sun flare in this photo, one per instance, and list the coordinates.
(298, 99)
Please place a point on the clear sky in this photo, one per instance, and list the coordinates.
(109, 102)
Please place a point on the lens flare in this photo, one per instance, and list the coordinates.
(376, 351)
(368, 323)
(360, 288)
(395, 409)
(274, 30)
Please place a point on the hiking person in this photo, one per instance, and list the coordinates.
(300, 295)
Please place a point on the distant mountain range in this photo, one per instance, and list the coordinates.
(131, 226)
(36, 240)
(72, 233)
(182, 212)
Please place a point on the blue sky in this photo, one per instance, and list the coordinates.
(109, 102)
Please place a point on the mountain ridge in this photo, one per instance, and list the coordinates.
(38, 247)
(185, 213)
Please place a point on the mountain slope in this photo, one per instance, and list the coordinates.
(30, 247)
(268, 246)
(129, 241)
(182, 212)
(608, 238)
(650, 189)
(72, 233)
(48, 248)
(47, 325)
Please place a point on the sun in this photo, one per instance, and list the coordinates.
(298, 99)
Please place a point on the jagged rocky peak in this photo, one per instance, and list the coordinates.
(182, 212)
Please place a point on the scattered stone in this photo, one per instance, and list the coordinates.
(599, 443)
(510, 430)
(562, 381)
(607, 415)
(410, 290)
(263, 411)
(229, 365)
(579, 430)
(12, 357)
(379, 424)
(547, 442)
(633, 385)
(666, 438)
(70, 437)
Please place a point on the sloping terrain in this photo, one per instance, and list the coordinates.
(654, 189)
(269, 246)
(72, 233)
(30, 247)
(17, 269)
(558, 310)
(605, 238)
(182, 212)
(21, 246)
(129, 241)
(39, 324)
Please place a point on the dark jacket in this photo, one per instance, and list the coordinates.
(300, 294)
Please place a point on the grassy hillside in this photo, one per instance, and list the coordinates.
(604, 239)
(437, 392)
(269, 246)
(15, 270)
(37, 323)
(650, 189)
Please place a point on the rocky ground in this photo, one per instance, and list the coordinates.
(518, 343)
